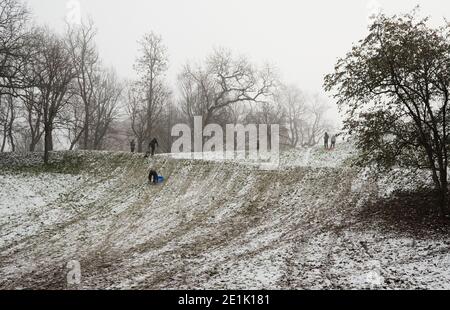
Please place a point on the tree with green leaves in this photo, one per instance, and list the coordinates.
(393, 87)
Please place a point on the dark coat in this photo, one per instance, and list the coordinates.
(153, 144)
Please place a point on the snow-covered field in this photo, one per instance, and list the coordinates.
(314, 222)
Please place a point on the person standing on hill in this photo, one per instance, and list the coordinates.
(333, 142)
(132, 146)
(153, 145)
(326, 137)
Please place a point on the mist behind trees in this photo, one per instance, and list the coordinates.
(56, 93)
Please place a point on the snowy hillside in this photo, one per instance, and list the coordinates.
(314, 223)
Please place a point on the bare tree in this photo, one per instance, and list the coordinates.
(85, 60)
(13, 37)
(72, 121)
(107, 94)
(151, 66)
(8, 115)
(32, 103)
(222, 82)
(137, 112)
(54, 75)
(315, 124)
(294, 104)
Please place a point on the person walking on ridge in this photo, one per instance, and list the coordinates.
(326, 137)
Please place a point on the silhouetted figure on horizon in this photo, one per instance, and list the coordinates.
(152, 147)
(333, 142)
(326, 137)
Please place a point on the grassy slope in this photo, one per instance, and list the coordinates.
(211, 225)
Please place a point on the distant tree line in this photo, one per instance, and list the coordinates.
(54, 88)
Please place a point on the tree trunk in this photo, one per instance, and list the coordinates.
(77, 138)
(444, 192)
(86, 128)
(444, 201)
(48, 145)
(11, 139)
(149, 109)
(3, 141)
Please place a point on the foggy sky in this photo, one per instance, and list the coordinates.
(302, 38)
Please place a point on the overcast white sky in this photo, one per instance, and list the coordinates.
(302, 38)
